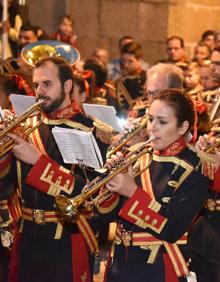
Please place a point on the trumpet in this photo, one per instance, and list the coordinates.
(70, 208)
(17, 126)
(128, 135)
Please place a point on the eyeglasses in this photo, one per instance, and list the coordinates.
(217, 63)
(173, 48)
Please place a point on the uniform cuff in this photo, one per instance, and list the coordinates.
(142, 211)
(49, 177)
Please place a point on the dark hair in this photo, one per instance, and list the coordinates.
(9, 85)
(124, 38)
(207, 33)
(65, 17)
(65, 71)
(182, 104)
(178, 38)
(202, 44)
(79, 81)
(99, 69)
(133, 48)
(32, 28)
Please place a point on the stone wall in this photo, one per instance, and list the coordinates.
(190, 18)
(100, 23)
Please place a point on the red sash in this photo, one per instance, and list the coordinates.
(173, 251)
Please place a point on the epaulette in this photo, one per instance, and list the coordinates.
(206, 161)
(103, 131)
(70, 123)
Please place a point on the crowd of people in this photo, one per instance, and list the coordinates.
(165, 203)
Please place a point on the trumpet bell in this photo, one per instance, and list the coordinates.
(66, 207)
(35, 51)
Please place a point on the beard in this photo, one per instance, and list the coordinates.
(54, 104)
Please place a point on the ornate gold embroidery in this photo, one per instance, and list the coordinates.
(55, 186)
(181, 163)
(141, 223)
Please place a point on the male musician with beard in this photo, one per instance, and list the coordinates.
(46, 249)
(130, 86)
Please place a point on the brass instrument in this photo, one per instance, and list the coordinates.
(128, 135)
(70, 207)
(215, 107)
(9, 65)
(32, 52)
(17, 126)
(211, 149)
(141, 104)
(216, 126)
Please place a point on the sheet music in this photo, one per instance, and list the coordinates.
(106, 114)
(77, 145)
(21, 103)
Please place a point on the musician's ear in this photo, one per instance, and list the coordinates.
(68, 85)
(183, 128)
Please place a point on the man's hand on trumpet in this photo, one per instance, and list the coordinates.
(24, 151)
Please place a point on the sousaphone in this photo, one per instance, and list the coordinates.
(35, 51)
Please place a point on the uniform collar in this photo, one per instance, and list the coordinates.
(67, 112)
(174, 149)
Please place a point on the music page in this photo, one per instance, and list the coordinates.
(76, 145)
(106, 114)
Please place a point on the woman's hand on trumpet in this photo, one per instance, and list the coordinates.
(205, 142)
(24, 151)
(123, 183)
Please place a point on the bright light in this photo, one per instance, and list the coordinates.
(122, 122)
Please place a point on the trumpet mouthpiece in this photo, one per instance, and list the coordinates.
(40, 101)
(151, 138)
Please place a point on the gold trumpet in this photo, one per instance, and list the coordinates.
(128, 135)
(17, 126)
(70, 208)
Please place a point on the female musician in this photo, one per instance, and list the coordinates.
(204, 239)
(157, 208)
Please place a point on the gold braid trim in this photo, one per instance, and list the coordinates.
(207, 162)
(70, 123)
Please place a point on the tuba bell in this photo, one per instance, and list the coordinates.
(35, 51)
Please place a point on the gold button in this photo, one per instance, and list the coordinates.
(147, 218)
(140, 212)
(154, 222)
